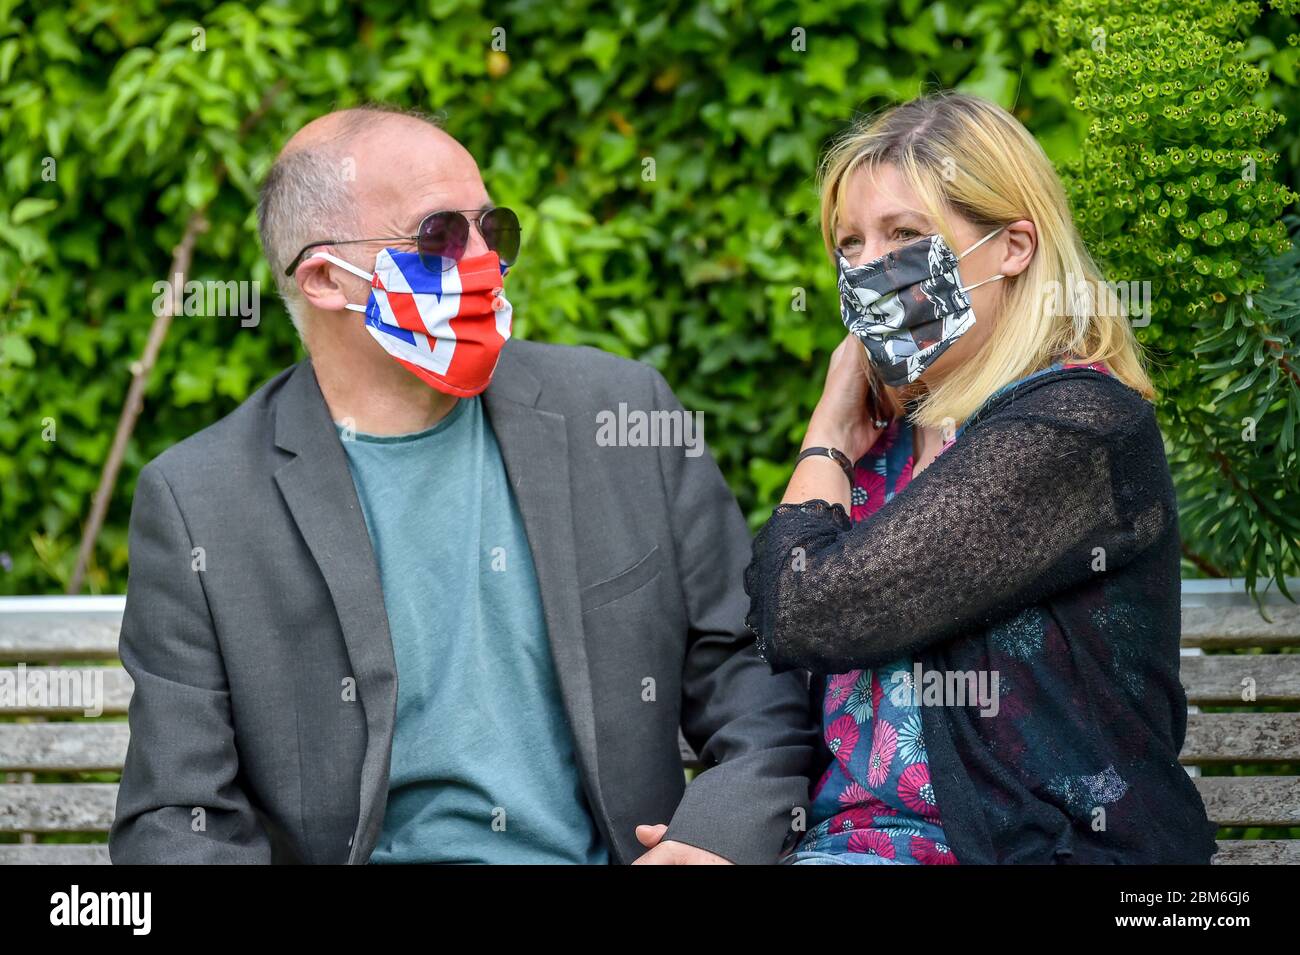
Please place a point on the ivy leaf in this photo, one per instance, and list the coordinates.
(32, 208)
(16, 351)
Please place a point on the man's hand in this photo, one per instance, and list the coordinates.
(671, 853)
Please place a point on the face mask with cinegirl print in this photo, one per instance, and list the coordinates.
(909, 305)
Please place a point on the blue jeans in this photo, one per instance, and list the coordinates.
(813, 857)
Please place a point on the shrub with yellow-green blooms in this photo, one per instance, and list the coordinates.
(1175, 184)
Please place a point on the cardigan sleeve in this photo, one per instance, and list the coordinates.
(1029, 503)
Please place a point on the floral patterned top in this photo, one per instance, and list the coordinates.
(876, 796)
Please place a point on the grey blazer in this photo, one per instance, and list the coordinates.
(265, 683)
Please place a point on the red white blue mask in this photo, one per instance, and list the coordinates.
(446, 328)
(908, 306)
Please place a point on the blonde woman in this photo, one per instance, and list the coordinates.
(985, 585)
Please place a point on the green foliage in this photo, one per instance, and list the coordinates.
(693, 271)
(147, 112)
(1173, 185)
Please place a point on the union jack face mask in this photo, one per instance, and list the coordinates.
(445, 327)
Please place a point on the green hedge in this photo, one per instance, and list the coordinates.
(694, 271)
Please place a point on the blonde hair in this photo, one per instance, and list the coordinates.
(964, 155)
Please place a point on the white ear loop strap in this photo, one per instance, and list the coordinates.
(334, 259)
(991, 278)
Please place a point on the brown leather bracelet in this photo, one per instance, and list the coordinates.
(835, 454)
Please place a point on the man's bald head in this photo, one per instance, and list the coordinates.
(353, 174)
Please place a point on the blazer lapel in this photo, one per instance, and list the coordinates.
(534, 446)
(317, 487)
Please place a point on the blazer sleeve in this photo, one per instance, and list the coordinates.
(753, 731)
(180, 799)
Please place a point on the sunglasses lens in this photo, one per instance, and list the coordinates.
(442, 241)
(500, 229)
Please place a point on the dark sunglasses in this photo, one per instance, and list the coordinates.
(443, 237)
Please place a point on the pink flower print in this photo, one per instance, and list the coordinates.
(868, 488)
(850, 820)
(929, 852)
(838, 688)
(917, 792)
(884, 741)
(859, 797)
(872, 842)
(883, 811)
(842, 739)
(855, 794)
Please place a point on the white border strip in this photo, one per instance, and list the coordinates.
(108, 603)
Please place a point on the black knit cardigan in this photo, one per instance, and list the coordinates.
(1042, 547)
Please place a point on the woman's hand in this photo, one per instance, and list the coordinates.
(842, 418)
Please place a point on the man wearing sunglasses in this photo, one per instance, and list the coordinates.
(435, 619)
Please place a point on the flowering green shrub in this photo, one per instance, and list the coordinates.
(1173, 185)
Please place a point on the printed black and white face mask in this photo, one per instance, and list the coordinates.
(908, 306)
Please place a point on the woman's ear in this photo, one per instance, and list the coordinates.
(1022, 242)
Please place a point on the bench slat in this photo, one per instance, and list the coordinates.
(1208, 680)
(62, 747)
(1219, 628)
(1241, 738)
(1220, 679)
(1211, 738)
(113, 683)
(62, 854)
(88, 807)
(74, 635)
(49, 637)
(1258, 852)
(57, 807)
(1251, 800)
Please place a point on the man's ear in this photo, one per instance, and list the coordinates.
(320, 285)
(1022, 242)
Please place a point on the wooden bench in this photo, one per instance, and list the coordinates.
(75, 639)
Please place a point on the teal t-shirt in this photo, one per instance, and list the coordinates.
(483, 767)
